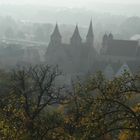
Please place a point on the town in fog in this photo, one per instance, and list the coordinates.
(69, 70)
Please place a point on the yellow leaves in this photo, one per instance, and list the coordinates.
(129, 135)
(137, 108)
(88, 112)
(59, 134)
(22, 99)
(6, 130)
(123, 136)
(67, 120)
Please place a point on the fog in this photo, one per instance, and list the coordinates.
(28, 25)
(113, 7)
(67, 3)
(69, 69)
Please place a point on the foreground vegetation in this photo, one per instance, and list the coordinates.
(34, 107)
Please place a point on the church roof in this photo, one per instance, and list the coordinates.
(76, 34)
(110, 36)
(56, 32)
(125, 48)
(90, 31)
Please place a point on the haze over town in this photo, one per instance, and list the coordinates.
(69, 69)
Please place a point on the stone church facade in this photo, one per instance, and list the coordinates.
(120, 50)
(80, 57)
(76, 57)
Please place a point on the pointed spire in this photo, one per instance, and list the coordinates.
(76, 38)
(76, 34)
(90, 31)
(56, 36)
(56, 32)
(105, 37)
(105, 40)
(110, 36)
(90, 35)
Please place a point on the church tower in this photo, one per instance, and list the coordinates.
(110, 37)
(76, 39)
(56, 38)
(90, 35)
(105, 40)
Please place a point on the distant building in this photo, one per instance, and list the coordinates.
(119, 50)
(75, 57)
(81, 58)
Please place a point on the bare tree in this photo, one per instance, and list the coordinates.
(38, 87)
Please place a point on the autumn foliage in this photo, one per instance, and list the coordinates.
(35, 108)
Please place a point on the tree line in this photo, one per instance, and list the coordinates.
(34, 107)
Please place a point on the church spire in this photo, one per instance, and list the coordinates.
(76, 38)
(56, 31)
(110, 37)
(90, 34)
(90, 30)
(56, 36)
(105, 40)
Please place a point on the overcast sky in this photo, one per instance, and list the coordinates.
(68, 3)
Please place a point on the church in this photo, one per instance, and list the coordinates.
(120, 50)
(80, 58)
(75, 57)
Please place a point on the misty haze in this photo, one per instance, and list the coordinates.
(69, 70)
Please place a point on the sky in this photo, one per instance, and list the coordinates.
(67, 3)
